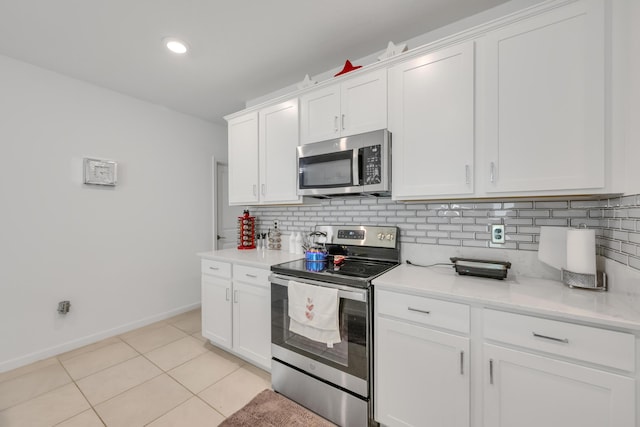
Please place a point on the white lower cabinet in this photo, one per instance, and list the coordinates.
(252, 322)
(526, 390)
(236, 310)
(421, 373)
(558, 375)
(434, 366)
(216, 310)
(423, 376)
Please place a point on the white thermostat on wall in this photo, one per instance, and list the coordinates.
(100, 172)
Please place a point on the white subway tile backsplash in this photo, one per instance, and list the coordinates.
(475, 213)
(517, 205)
(475, 243)
(479, 228)
(629, 224)
(534, 213)
(616, 256)
(570, 213)
(556, 222)
(449, 242)
(466, 224)
(442, 234)
(450, 227)
(552, 205)
(629, 249)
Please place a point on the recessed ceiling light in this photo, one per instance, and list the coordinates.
(175, 45)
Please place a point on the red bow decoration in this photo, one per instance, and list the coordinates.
(348, 67)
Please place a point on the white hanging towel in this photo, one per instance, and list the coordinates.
(313, 312)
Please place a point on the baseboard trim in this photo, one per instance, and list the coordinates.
(90, 339)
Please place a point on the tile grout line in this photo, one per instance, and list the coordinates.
(92, 407)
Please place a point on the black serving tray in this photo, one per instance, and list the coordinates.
(481, 268)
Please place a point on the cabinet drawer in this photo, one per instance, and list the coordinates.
(427, 311)
(253, 275)
(216, 268)
(595, 345)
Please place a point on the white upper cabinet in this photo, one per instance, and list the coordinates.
(354, 106)
(262, 156)
(543, 103)
(243, 159)
(431, 118)
(278, 141)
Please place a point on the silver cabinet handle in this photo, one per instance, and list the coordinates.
(417, 310)
(491, 371)
(563, 340)
(492, 172)
(262, 189)
(343, 122)
(467, 175)
(255, 189)
(214, 268)
(251, 275)
(335, 123)
(462, 363)
(235, 297)
(227, 294)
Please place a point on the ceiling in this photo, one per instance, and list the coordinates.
(240, 49)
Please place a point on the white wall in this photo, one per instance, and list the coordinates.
(123, 256)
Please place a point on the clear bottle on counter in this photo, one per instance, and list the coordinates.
(275, 237)
(298, 244)
(292, 243)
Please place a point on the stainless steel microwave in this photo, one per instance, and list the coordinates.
(353, 165)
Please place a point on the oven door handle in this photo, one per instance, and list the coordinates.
(355, 295)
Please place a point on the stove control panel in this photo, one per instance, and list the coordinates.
(363, 235)
(351, 234)
(388, 236)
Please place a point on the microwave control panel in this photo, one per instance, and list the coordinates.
(372, 164)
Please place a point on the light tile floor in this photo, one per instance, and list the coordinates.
(162, 375)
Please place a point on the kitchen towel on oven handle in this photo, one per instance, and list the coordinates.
(313, 312)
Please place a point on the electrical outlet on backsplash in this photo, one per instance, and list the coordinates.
(465, 226)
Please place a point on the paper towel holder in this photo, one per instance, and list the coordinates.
(596, 282)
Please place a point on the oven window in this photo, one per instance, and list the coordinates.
(350, 355)
(327, 170)
(338, 354)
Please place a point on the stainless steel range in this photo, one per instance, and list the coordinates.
(333, 380)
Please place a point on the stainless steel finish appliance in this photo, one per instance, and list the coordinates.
(334, 382)
(353, 165)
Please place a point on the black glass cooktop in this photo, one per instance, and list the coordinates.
(352, 272)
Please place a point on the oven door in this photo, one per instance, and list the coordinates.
(346, 364)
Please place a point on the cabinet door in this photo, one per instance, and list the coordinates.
(545, 102)
(243, 159)
(320, 115)
(364, 103)
(278, 142)
(216, 310)
(422, 376)
(431, 118)
(526, 390)
(252, 322)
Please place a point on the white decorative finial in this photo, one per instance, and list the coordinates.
(306, 82)
(393, 50)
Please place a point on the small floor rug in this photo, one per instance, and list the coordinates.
(269, 409)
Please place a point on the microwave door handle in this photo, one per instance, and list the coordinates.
(357, 166)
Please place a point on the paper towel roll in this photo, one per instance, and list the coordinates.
(581, 250)
(553, 246)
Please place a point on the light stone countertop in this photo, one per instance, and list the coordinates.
(261, 258)
(521, 294)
